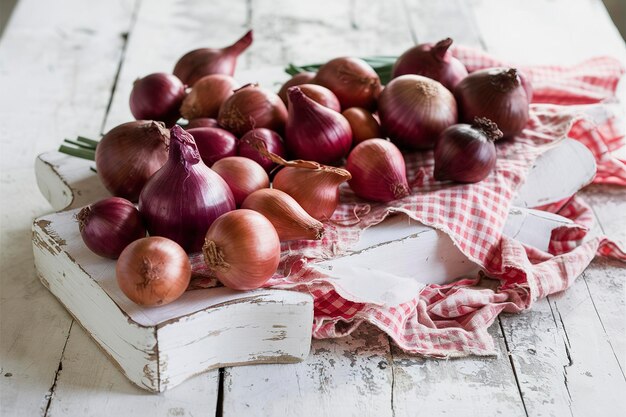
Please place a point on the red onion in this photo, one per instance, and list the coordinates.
(251, 107)
(157, 97)
(153, 271)
(363, 124)
(378, 171)
(207, 95)
(129, 154)
(414, 110)
(185, 196)
(321, 95)
(354, 82)
(298, 79)
(243, 176)
(201, 122)
(214, 143)
(205, 61)
(109, 225)
(432, 61)
(497, 94)
(248, 146)
(315, 132)
(243, 249)
(466, 153)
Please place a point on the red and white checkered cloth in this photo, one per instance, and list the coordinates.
(452, 320)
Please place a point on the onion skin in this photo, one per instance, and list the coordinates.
(315, 132)
(252, 107)
(153, 271)
(109, 225)
(129, 154)
(243, 176)
(321, 95)
(247, 147)
(414, 110)
(298, 79)
(201, 122)
(363, 124)
(354, 82)
(498, 94)
(214, 143)
(466, 153)
(433, 61)
(378, 171)
(289, 219)
(243, 249)
(207, 95)
(185, 196)
(157, 97)
(206, 61)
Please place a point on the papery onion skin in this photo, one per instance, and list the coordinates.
(497, 94)
(109, 225)
(414, 110)
(378, 171)
(243, 249)
(202, 122)
(321, 95)
(157, 96)
(466, 153)
(153, 271)
(247, 147)
(354, 82)
(363, 124)
(129, 154)
(207, 95)
(185, 196)
(243, 176)
(205, 61)
(290, 220)
(433, 61)
(214, 143)
(315, 132)
(252, 107)
(298, 79)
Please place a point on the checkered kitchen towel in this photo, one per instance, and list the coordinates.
(452, 320)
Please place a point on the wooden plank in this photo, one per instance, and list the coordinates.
(349, 376)
(55, 76)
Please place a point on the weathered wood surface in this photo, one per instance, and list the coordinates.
(70, 79)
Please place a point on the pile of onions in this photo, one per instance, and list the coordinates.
(110, 225)
(298, 79)
(243, 176)
(242, 249)
(205, 61)
(363, 124)
(157, 97)
(129, 154)
(214, 143)
(499, 94)
(414, 110)
(378, 171)
(315, 132)
(250, 146)
(252, 107)
(185, 196)
(207, 95)
(153, 271)
(354, 82)
(433, 61)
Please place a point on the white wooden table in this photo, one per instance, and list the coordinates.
(66, 68)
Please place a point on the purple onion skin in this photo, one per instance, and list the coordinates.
(202, 122)
(273, 143)
(157, 97)
(298, 79)
(181, 201)
(110, 225)
(214, 143)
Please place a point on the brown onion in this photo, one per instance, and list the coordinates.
(414, 110)
(252, 107)
(242, 248)
(214, 143)
(249, 144)
(207, 95)
(363, 124)
(153, 271)
(129, 154)
(298, 79)
(354, 82)
(243, 176)
(157, 97)
(109, 225)
(205, 61)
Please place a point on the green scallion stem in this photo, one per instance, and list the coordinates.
(78, 152)
(79, 144)
(88, 141)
